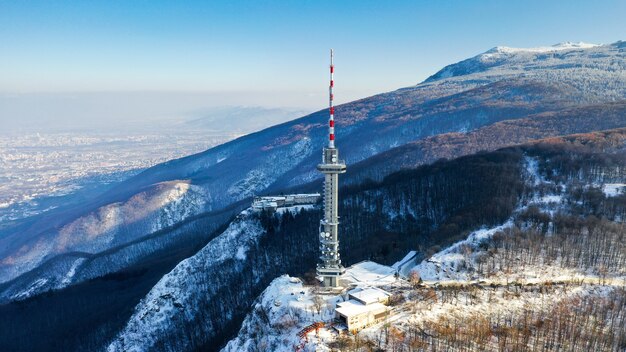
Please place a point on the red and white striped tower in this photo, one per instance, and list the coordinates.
(330, 268)
(331, 122)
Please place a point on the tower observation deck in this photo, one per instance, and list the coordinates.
(330, 267)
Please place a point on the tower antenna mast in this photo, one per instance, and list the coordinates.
(330, 269)
(331, 123)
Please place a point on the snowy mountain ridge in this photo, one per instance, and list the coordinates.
(542, 49)
(568, 63)
(294, 312)
(184, 287)
(161, 206)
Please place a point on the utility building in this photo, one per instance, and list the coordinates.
(275, 202)
(330, 267)
(365, 307)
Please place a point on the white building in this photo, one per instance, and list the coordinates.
(364, 307)
(289, 200)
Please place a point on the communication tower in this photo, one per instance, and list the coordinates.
(330, 267)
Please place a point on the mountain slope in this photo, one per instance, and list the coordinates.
(175, 296)
(415, 209)
(512, 85)
(539, 280)
(451, 145)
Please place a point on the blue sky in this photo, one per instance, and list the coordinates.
(272, 53)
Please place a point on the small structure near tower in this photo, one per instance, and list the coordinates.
(364, 307)
(330, 267)
(274, 203)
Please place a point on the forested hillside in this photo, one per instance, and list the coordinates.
(422, 209)
(498, 135)
(549, 277)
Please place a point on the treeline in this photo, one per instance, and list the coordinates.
(432, 205)
(597, 157)
(491, 137)
(587, 244)
(592, 322)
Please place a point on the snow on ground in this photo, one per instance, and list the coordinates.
(367, 273)
(563, 61)
(294, 209)
(613, 189)
(160, 310)
(270, 168)
(286, 307)
(404, 266)
(160, 206)
(500, 292)
(488, 302)
(280, 313)
(448, 263)
(180, 202)
(532, 171)
(452, 263)
(70, 273)
(550, 199)
(541, 49)
(34, 287)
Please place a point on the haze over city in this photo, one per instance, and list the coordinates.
(65, 63)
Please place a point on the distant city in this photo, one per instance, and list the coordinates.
(45, 165)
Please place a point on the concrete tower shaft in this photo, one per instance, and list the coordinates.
(330, 267)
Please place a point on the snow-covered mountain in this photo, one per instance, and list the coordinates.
(193, 303)
(500, 84)
(491, 288)
(191, 297)
(156, 208)
(566, 63)
(179, 204)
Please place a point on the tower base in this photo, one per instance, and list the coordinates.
(330, 281)
(329, 277)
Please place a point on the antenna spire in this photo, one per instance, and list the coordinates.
(331, 121)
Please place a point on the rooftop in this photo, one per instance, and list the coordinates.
(369, 295)
(368, 273)
(352, 307)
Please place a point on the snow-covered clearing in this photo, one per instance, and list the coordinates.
(286, 307)
(449, 263)
(70, 274)
(613, 189)
(33, 288)
(368, 273)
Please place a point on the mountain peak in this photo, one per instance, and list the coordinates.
(542, 49)
(500, 56)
